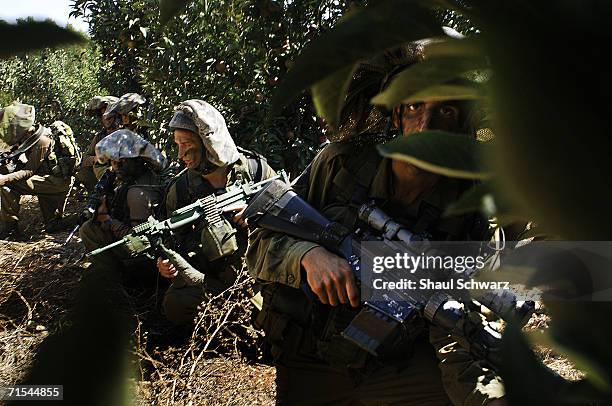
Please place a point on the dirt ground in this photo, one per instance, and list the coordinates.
(39, 276)
(219, 362)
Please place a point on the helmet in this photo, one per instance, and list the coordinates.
(204, 120)
(125, 144)
(98, 103)
(126, 104)
(358, 115)
(17, 119)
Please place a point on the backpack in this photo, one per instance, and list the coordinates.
(65, 157)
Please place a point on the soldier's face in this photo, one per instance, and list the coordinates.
(120, 167)
(190, 148)
(412, 118)
(440, 115)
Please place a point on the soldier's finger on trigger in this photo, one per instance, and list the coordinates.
(330, 289)
(341, 292)
(353, 293)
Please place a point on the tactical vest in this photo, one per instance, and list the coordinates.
(118, 203)
(296, 323)
(220, 246)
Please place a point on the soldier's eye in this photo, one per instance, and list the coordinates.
(449, 111)
(415, 106)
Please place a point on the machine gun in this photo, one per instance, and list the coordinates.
(150, 234)
(102, 188)
(381, 324)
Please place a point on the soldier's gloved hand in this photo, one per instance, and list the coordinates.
(166, 269)
(330, 277)
(3, 180)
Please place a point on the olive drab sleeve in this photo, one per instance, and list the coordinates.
(171, 200)
(466, 381)
(275, 257)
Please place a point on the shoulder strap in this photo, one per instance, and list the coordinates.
(257, 164)
(182, 191)
(357, 175)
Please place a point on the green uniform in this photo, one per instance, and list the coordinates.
(35, 178)
(315, 365)
(91, 171)
(132, 203)
(218, 253)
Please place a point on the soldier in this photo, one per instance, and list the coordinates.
(315, 365)
(137, 189)
(128, 112)
(44, 168)
(213, 163)
(97, 106)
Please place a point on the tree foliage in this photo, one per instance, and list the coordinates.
(58, 83)
(232, 54)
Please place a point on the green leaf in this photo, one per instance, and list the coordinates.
(488, 200)
(328, 94)
(423, 81)
(454, 47)
(169, 8)
(364, 34)
(30, 35)
(447, 92)
(473, 200)
(447, 154)
(552, 138)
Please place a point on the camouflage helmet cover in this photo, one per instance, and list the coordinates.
(358, 115)
(210, 126)
(100, 103)
(16, 120)
(125, 104)
(125, 144)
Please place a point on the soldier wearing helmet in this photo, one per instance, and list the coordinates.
(137, 190)
(128, 112)
(34, 170)
(213, 163)
(315, 365)
(96, 107)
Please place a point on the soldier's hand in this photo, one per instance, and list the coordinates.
(3, 179)
(330, 277)
(166, 269)
(237, 211)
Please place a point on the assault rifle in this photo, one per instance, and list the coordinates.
(150, 234)
(102, 188)
(381, 324)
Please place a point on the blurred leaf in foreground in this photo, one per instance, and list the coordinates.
(26, 36)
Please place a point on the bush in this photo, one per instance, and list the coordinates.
(58, 83)
(232, 54)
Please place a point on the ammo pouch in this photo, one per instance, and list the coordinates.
(218, 239)
(284, 318)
